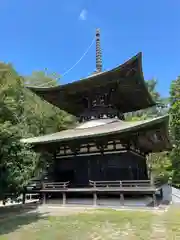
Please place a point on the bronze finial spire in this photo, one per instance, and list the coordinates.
(98, 52)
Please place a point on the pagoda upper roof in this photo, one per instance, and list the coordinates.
(94, 129)
(127, 81)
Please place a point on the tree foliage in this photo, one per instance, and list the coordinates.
(23, 114)
(42, 79)
(155, 111)
(160, 162)
(44, 118)
(17, 161)
(175, 129)
(161, 166)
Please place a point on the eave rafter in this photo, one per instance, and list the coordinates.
(128, 76)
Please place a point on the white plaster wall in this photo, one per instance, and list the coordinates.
(167, 193)
(171, 194)
(175, 195)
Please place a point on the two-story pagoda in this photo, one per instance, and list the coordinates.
(104, 151)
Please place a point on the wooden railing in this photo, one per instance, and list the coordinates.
(106, 186)
(157, 182)
(121, 184)
(55, 185)
(110, 184)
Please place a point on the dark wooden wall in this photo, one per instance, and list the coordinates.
(120, 166)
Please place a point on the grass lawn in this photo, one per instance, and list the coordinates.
(95, 224)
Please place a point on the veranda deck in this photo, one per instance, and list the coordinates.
(99, 187)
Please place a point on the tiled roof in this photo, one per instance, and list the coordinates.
(107, 128)
(130, 91)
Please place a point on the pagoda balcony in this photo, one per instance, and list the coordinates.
(98, 188)
(118, 185)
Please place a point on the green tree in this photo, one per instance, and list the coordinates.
(23, 114)
(155, 111)
(41, 117)
(175, 129)
(162, 103)
(42, 79)
(160, 162)
(44, 118)
(17, 161)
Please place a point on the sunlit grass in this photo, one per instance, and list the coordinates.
(104, 224)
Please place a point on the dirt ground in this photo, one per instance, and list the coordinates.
(83, 223)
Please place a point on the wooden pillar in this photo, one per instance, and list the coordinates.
(4, 201)
(122, 199)
(149, 165)
(44, 198)
(39, 198)
(154, 200)
(161, 193)
(64, 198)
(95, 198)
(24, 198)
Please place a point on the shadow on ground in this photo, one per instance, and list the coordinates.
(17, 209)
(13, 218)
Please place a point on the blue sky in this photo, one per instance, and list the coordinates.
(39, 34)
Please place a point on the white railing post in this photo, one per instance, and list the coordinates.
(122, 198)
(44, 198)
(95, 198)
(64, 198)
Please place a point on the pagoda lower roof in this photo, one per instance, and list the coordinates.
(113, 127)
(130, 92)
